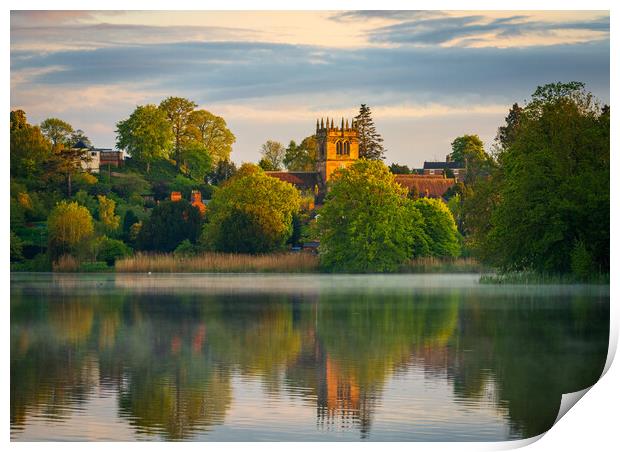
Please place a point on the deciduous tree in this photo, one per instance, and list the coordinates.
(146, 135)
(212, 132)
(170, 223)
(57, 131)
(178, 111)
(367, 224)
(273, 154)
(69, 224)
(251, 213)
(553, 193)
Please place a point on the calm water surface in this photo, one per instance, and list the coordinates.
(281, 357)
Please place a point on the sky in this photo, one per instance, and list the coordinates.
(428, 76)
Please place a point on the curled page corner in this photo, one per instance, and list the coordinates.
(568, 401)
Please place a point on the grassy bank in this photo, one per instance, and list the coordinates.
(220, 263)
(266, 263)
(442, 265)
(527, 277)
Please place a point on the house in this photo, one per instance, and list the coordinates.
(438, 168)
(95, 158)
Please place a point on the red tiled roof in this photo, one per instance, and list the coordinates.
(300, 179)
(427, 186)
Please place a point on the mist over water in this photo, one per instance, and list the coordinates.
(297, 357)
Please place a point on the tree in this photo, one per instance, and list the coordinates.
(395, 168)
(178, 111)
(197, 160)
(267, 165)
(211, 130)
(224, 169)
(301, 157)
(553, 190)
(467, 148)
(367, 224)
(439, 226)
(273, 155)
(146, 135)
(29, 148)
(107, 217)
(68, 225)
(370, 146)
(77, 136)
(170, 223)
(469, 151)
(506, 134)
(18, 119)
(57, 131)
(251, 213)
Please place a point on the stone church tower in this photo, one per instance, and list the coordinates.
(337, 147)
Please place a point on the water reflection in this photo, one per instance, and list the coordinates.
(178, 356)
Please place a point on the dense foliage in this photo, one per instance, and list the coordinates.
(251, 213)
(170, 223)
(69, 225)
(545, 207)
(367, 224)
(442, 236)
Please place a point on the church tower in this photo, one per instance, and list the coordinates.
(337, 147)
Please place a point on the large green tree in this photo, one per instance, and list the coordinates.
(146, 135)
(251, 213)
(211, 131)
(367, 224)
(178, 110)
(57, 131)
(553, 193)
(370, 142)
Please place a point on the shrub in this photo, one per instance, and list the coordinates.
(185, 249)
(581, 262)
(111, 249)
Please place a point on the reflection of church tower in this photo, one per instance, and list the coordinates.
(341, 403)
(337, 147)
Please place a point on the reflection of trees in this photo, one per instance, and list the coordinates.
(169, 382)
(357, 342)
(170, 359)
(51, 367)
(534, 349)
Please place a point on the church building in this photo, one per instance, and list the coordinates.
(338, 147)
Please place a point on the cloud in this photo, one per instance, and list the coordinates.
(446, 30)
(363, 15)
(231, 71)
(52, 38)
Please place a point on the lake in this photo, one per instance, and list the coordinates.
(297, 357)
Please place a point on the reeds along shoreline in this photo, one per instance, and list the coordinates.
(266, 263)
(220, 263)
(442, 265)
